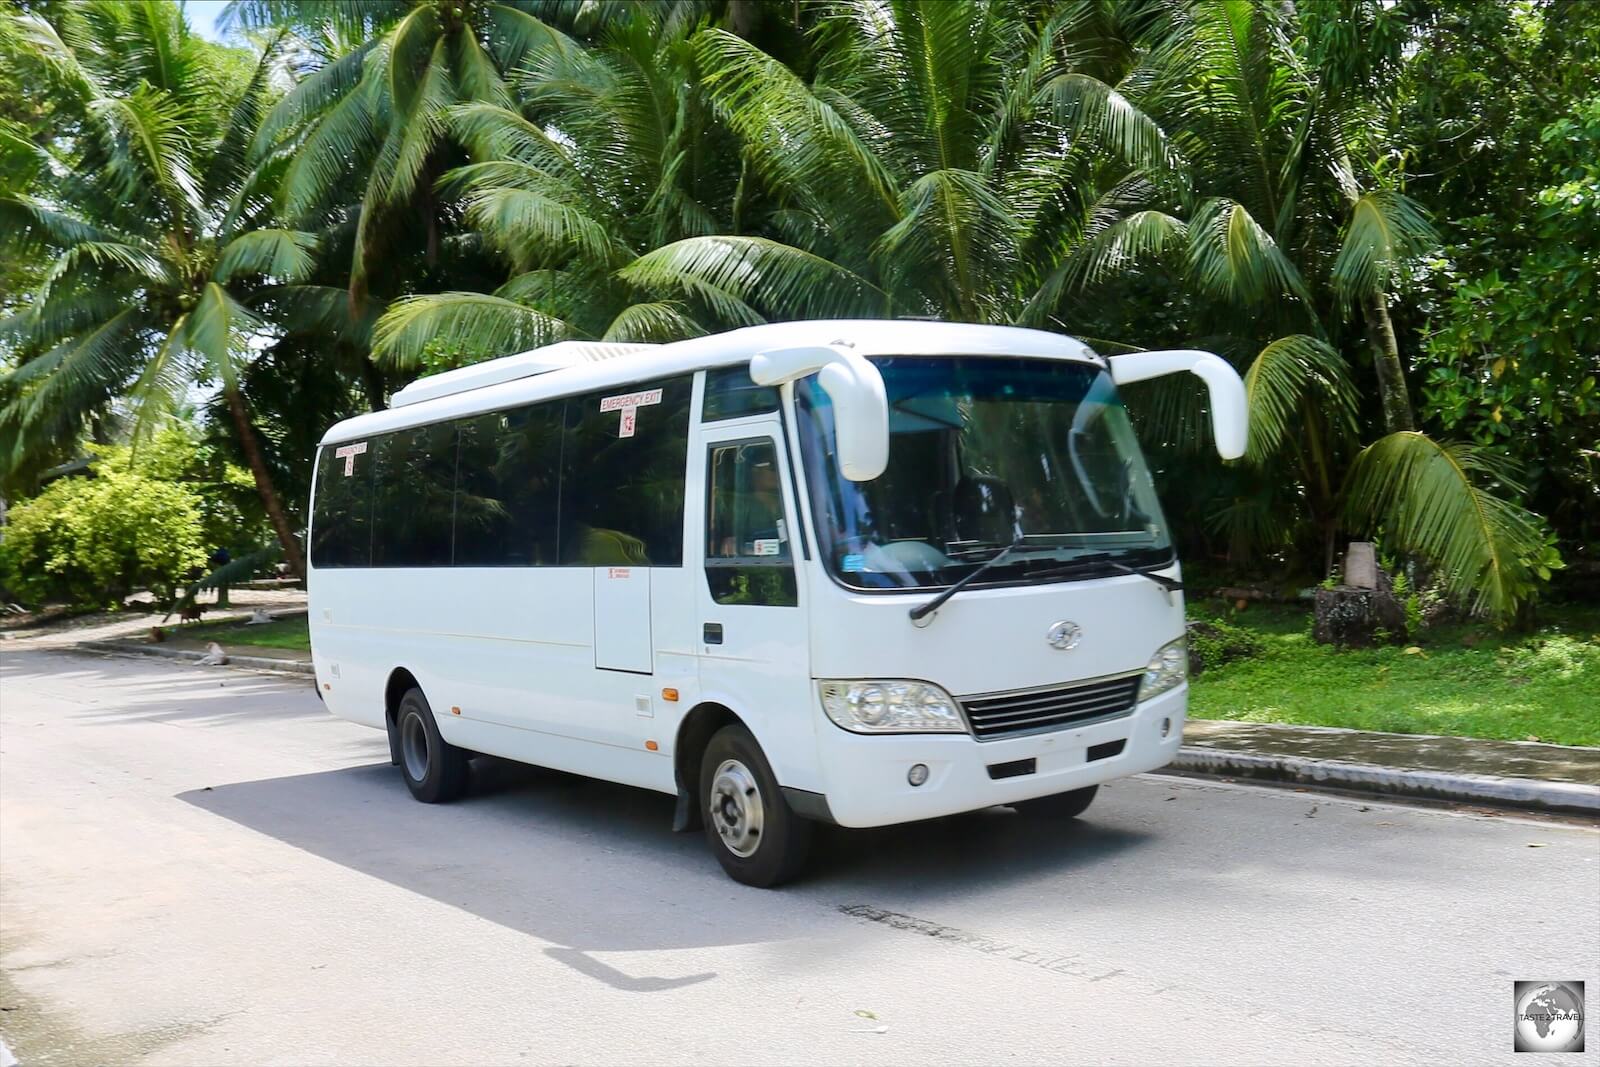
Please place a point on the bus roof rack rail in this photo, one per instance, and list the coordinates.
(509, 368)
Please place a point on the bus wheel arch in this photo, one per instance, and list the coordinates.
(400, 681)
(694, 734)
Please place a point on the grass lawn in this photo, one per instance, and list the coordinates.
(292, 633)
(1466, 680)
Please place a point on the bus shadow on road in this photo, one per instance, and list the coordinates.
(593, 867)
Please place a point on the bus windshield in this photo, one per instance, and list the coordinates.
(1032, 457)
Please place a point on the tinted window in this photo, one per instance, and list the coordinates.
(341, 530)
(730, 393)
(507, 491)
(414, 497)
(622, 476)
(747, 550)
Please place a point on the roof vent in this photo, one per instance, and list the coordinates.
(510, 368)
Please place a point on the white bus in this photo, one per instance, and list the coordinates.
(855, 572)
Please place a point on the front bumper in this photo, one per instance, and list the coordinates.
(865, 775)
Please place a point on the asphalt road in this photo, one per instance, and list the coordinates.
(199, 866)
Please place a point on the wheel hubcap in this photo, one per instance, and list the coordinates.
(414, 746)
(736, 810)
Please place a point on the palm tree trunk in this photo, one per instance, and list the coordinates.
(269, 495)
(1392, 390)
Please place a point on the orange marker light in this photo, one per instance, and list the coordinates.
(328, 686)
(669, 695)
(455, 711)
(652, 746)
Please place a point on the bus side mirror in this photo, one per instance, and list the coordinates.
(1230, 417)
(860, 405)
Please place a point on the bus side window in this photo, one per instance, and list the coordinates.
(730, 394)
(748, 557)
(622, 476)
(341, 527)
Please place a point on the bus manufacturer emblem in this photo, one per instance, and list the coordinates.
(1064, 636)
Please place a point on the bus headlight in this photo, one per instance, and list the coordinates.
(891, 706)
(1167, 669)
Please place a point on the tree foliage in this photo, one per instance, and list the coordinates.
(1391, 240)
(93, 541)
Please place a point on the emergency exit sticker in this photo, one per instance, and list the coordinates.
(348, 453)
(629, 404)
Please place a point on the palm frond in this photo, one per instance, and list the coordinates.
(469, 327)
(230, 159)
(132, 258)
(1090, 109)
(734, 275)
(1141, 236)
(1424, 496)
(475, 72)
(952, 224)
(795, 136)
(1232, 258)
(347, 134)
(313, 310)
(493, 132)
(1385, 229)
(37, 40)
(314, 94)
(29, 225)
(82, 370)
(414, 47)
(517, 37)
(151, 145)
(421, 122)
(216, 331)
(284, 255)
(534, 221)
(1286, 374)
(661, 320)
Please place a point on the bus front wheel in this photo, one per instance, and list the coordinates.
(435, 770)
(756, 836)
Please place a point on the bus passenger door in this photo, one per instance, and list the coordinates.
(753, 641)
(622, 640)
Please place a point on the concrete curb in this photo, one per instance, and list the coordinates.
(1528, 793)
(256, 663)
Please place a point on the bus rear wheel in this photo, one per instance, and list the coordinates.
(435, 770)
(1061, 806)
(756, 836)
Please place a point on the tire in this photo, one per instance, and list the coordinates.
(756, 836)
(435, 770)
(1061, 806)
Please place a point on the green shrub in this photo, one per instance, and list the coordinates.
(1213, 642)
(92, 541)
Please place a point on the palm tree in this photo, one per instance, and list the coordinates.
(945, 159)
(151, 220)
(943, 162)
(1290, 242)
(364, 133)
(609, 151)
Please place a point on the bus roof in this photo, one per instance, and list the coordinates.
(569, 368)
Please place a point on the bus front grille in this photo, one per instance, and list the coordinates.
(1032, 711)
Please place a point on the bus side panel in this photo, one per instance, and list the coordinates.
(349, 657)
(505, 657)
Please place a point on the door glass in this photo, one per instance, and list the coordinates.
(747, 550)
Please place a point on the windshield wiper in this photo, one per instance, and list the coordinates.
(922, 611)
(1095, 561)
(1171, 585)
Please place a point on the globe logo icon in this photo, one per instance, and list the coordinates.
(1549, 1017)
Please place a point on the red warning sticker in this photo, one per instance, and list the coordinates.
(348, 453)
(629, 404)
